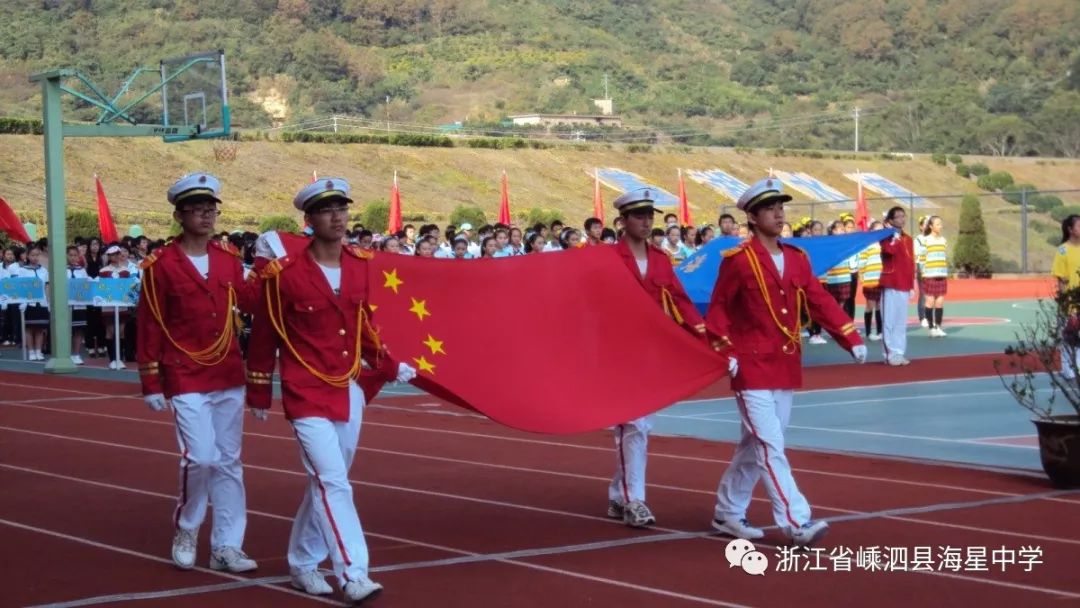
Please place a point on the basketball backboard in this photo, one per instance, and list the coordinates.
(194, 95)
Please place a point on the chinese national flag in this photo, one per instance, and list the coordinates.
(9, 223)
(684, 204)
(862, 212)
(504, 204)
(105, 221)
(626, 358)
(394, 225)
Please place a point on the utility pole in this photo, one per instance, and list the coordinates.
(388, 115)
(856, 128)
(605, 88)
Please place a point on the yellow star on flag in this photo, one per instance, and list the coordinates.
(392, 280)
(420, 308)
(434, 345)
(373, 307)
(424, 365)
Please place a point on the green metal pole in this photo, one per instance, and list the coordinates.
(55, 212)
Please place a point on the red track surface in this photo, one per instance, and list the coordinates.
(89, 477)
(975, 290)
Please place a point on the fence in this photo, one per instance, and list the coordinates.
(1023, 227)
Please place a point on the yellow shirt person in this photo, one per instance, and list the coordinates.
(1067, 264)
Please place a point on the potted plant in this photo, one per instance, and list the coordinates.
(1045, 353)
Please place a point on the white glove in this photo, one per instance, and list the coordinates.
(269, 246)
(732, 366)
(859, 352)
(156, 402)
(405, 372)
(259, 413)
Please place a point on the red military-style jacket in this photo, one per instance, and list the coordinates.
(754, 313)
(186, 325)
(316, 334)
(664, 287)
(898, 263)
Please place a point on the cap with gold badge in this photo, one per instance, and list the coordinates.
(330, 189)
(640, 198)
(195, 187)
(768, 190)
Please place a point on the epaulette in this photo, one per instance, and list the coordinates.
(1062, 250)
(727, 253)
(359, 252)
(797, 248)
(276, 265)
(228, 247)
(152, 257)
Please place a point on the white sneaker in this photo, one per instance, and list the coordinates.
(637, 515)
(232, 559)
(817, 340)
(740, 528)
(875, 337)
(897, 360)
(76, 359)
(358, 591)
(311, 582)
(183, 548)
(940, 332)
(615, 510)
(807, 533)
(117, 365)
(925, 323)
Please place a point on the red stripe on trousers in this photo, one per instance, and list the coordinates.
(326, 505)
(183, 477)
(768, 467)
(622, 465)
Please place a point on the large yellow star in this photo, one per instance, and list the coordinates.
(420, 308)
(434, 345)
(392, 280)
(424, 365)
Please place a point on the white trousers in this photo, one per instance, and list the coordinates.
(894, 312)
(209, 428)
(760, 455)
(327, 523)
(631, 453)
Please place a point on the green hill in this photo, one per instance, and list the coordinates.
(265, 175)
(970, 76)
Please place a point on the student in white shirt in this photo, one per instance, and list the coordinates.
(37, 315)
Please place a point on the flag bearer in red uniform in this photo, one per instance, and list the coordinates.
(897, 283)
(755, 309)
(189, 360)
(314, 311)
(652, 267)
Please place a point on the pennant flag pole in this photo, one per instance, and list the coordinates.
(862, 212)
(684, 204)
(597, 198)
(504, 205)
(394, 225)
(314, 175)
(9, 223)
(105, 221)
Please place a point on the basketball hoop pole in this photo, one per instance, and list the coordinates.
(55, 130)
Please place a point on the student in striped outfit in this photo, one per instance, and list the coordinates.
(870, 276)
(920, 254)
(838, 278)
(935, 274)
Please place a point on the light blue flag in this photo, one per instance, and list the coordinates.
(698, 272)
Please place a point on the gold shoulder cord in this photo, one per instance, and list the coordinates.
(793, 335)
(277, 319)
(670, 308)
(209, 356)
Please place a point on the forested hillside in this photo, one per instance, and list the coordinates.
(996, 77)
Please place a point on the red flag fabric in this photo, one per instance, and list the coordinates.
(394, 225)
(105, 221)
(9, 223)
(504, 204)
(684, 204)
(626, 358)
(862, 212)
(597, 199)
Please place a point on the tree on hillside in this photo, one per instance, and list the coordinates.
(972, 251)
(1059, 122)
(1004, 135)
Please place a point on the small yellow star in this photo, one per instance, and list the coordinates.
(434, 345)
(420, 308)
(373, 307)
(424, 365)
(392, 280)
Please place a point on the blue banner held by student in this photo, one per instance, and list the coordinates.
(698, 272)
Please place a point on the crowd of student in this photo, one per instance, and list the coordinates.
(95, 328)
